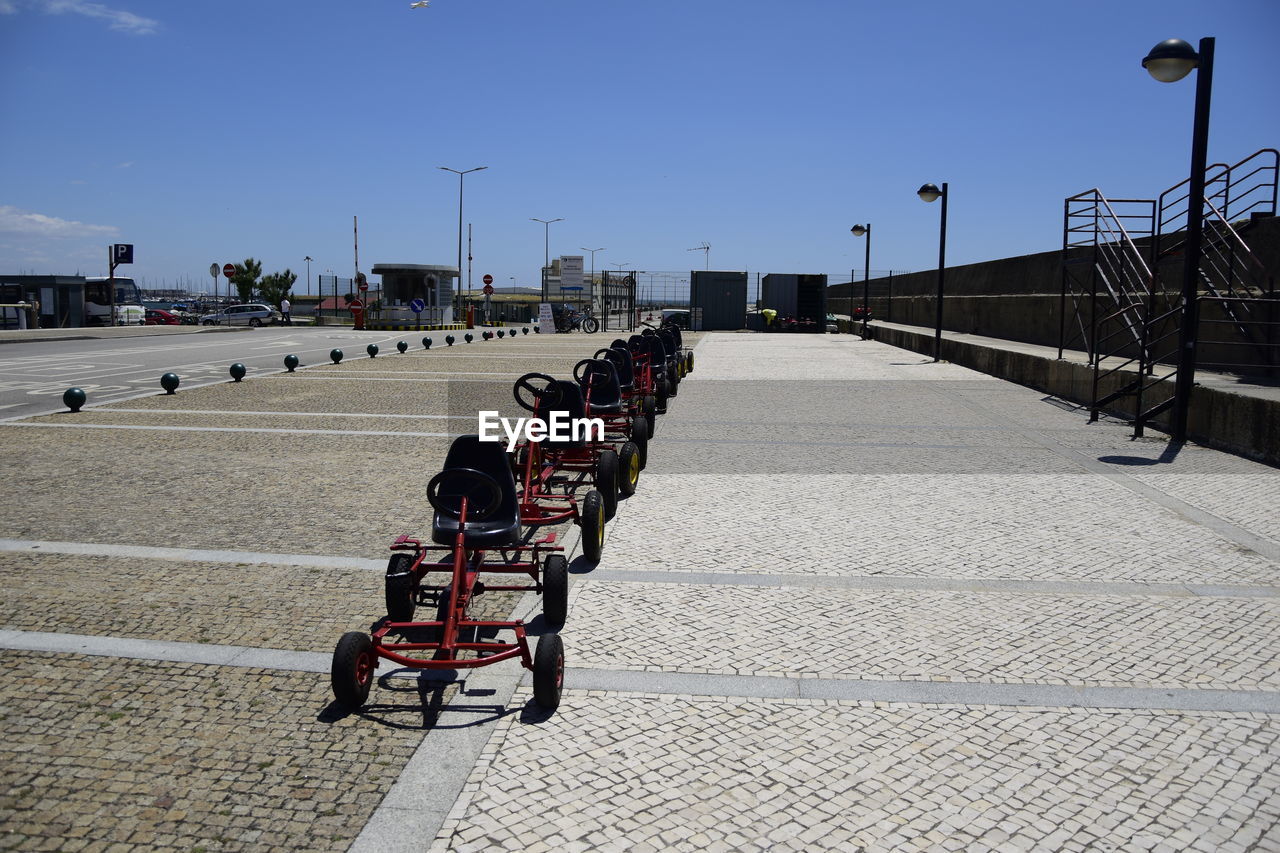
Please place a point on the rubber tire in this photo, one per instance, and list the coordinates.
(629, 473)
(401, 588)
(591, 521)
(640, 438)
(354, 665)
(664, 393)
(255, 322)
(207, 323)
(590, 325)
(548, 671)
(555, 590)
(608, 481)
(688, 362)
(650, 409)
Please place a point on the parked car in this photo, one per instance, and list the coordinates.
(252, 314)
(160, 317)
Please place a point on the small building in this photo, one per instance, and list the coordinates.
(403, 283)
(718, 300)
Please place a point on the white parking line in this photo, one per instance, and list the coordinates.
(176, 428)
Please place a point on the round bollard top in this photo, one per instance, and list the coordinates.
(525, 330)
(290, 362)
(169, 382)
(372, 349)
(501, 334)
(468, 338)
(237, 371)
(336, 355)
(74, 398)
(426, 343)
(402, 346)
(537, 330)
(448, 339)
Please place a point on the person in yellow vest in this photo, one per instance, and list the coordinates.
(769, 315)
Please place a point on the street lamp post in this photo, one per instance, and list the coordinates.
(931, 193)
(546, 238)
(858, 231)
(593, 261)
(308, 260)
(1168, 62)
(460, 175)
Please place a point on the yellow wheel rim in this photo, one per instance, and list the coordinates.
(633, 470)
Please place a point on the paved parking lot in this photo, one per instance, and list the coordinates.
(861, 601)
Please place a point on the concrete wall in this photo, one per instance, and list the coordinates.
(1019, 299)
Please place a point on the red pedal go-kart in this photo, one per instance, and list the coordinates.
(550, 472)
(605, 395)
(477, 513)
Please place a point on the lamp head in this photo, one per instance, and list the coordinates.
(929, 192)
(1171, 60)
(858, 230)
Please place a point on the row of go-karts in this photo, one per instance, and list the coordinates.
(488, 505)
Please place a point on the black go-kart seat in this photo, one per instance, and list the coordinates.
(658, 355)
(621, 359)
(500, 529)
(675, 333)
(572, 404)
(598, 379)
(638, 345)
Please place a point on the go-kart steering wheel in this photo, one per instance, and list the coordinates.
(530, 396)
(447, 489)
(585, 378)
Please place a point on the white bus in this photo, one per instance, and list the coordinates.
(97, 302)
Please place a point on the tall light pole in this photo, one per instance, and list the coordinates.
(1168, 62)
(931, 193)
(619, 266)
(858, 231)
(308, 260)
(460, 176)
(546, 238)
(593, 261)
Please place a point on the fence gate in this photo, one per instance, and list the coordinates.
(618, 298)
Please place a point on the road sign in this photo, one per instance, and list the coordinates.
(213, 270)
(364, 285)
(229, 270)
(488, 279)
(488, 289)
(417, 306)
(122, 253)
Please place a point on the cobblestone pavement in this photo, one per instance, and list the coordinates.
(948, 529)
(817, 510)
(293, 485)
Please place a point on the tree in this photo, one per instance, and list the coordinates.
(246, 278)
(277, 286)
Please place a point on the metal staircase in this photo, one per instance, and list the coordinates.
(1121, 261)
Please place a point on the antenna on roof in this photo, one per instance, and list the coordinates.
(705, 248)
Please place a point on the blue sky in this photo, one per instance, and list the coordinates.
(210, 131)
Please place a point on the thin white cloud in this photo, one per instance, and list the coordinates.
(116, 19)
(124, 165)
(7, 8)
(17, 221)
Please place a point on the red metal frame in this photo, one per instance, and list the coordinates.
(467, 566)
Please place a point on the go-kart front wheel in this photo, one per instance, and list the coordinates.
(548, 671)
(354, 664)
(591, 521)
(555, 590)
(401, 591)
(608, 481)
(629, 461)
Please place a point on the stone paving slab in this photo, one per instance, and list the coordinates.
(684, 773)
(1251, 499)
(278, 606)
(123, 755)
(786, 357)
(1026, 527)
(310, 494)
(1089, 640)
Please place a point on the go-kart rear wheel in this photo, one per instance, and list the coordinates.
(555, 590)
(629, 459)
(640, 438)
(548, 671)
(608, 481)
(688, 362)
(591, 520)
(664, 392)
(401, 588)
(354, 664)
(650, 409)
